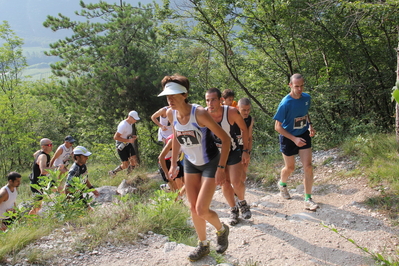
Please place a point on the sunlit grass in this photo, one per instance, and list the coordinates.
(379, 161)
(265, 167)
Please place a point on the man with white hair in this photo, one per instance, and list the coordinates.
(124, 144)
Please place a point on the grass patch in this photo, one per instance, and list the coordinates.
(379, 161)
(120, 222)
(265, 168)
(386, 202)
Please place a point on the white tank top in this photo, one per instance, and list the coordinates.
(165, 122)
(196, 142)
(66, 153)
(8, 204)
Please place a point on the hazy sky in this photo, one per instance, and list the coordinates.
(26, 17)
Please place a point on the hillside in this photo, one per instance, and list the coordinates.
(280, 232)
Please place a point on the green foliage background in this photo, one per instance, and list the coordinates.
(113, 62)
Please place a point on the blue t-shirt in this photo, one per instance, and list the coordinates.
(292, 113)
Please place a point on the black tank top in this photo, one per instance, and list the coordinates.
(248, 122)
(36, 168)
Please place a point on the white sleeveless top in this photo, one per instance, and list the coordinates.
(8, 204)
(165, 122)
(196, 142)
(66, 153)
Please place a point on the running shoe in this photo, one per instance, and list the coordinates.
(245, 209)
(234, 213)
(222, 239)
(284, 191)
(199, 252)
(165, 187)
(311, 205)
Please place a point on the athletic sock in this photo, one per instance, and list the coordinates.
(282, 184)
(117, 169)
(130, 168)
(222, 229)
(205, 242)
(308, 196)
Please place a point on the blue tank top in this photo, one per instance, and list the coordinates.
(196, 142)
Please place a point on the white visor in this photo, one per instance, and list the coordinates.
(172, 88)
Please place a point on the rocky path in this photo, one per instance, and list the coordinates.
(280, 231)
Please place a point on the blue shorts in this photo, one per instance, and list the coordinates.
(207, 170)
(289, 148)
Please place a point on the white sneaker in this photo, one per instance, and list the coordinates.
(284, 191)
(310, 205)
(165, 187)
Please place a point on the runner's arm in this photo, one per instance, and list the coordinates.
(161, 157)
(57, 154)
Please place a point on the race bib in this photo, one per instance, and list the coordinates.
(188, 138)
(300, 122)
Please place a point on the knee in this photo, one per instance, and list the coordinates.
(237, 183)
(289, 168)
(308, 167)
(125, 164)
(201, 211)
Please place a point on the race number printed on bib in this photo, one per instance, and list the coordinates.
(300, 122)
(188, 138)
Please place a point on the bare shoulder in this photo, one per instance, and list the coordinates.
(169, 113)
(3, 194)
(233, 111)
(202, 116)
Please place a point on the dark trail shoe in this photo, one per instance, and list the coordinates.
(234, 213)
(245, 209)
(222, 239)
(199, 252)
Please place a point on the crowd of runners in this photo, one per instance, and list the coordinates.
(202, 148)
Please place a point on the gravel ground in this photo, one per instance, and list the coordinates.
(280, 231)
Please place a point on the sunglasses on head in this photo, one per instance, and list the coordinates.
(49, 145)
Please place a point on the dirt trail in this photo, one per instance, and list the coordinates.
(280, 231)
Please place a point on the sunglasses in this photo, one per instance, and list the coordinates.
(49, 145)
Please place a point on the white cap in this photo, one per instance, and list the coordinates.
(172, 88)
(80, 150)
(134, 114)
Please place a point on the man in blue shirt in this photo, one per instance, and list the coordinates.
(295, 128)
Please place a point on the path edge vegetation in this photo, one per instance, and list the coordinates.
(154, 210)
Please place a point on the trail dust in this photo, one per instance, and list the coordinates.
(280, 232)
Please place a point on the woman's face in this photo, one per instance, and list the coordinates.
(176, 100)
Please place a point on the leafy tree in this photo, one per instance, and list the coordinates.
(12, 132)
(344, 49)
(109, 65)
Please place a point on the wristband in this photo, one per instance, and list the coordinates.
(91, 187)
(247, 151)
(221, 166)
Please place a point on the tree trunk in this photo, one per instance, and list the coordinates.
(397, 107)
(136, 144)
(397, 124)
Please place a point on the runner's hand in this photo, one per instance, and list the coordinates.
(172, 172)
(300, 142)
(245, 158)
(220, 176)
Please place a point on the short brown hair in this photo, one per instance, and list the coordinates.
(228, 93)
